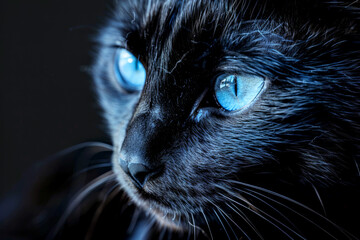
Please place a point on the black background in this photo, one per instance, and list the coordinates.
(47, 102)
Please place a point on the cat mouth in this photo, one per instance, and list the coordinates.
(148, 198)
(166, 214)
(150, 203)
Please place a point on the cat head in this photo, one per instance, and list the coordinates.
(237, 94)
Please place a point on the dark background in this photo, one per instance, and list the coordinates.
(47, 102)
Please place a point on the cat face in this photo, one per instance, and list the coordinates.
(184, 146)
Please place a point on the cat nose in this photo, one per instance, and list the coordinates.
(138, 172)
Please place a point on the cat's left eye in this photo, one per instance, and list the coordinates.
(129, 71)
(235, 92)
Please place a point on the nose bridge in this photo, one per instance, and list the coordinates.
(147, 106)
(139, 143)
(139, 156)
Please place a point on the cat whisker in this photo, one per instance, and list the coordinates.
(189, 230)
(207, 223)
(273, 208)
(357, 166)
(83, 145)
(289, 208)
(97, 166)
(107, 198)
(79, 197)
(189, 226)
(134, 220)
(166, 213)
(224, 217)
(179, 61)
(179, 221)
(192, 216)
(296, 203)
(124, 197)
(162, 234)
(194, 227)
(243, 216)
(266, 218)
(222, 212)
(227, 234)
(318, 196)
(266, 203)
(170, 235)
(239, 196)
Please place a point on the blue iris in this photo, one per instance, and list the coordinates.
(234, 92)
(129, 71)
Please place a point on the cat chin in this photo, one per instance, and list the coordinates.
(165, 218)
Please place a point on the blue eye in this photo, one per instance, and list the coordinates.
(129, 71)
(234, 92)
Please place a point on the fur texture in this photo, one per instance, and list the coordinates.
(300, 138)
(286, 167)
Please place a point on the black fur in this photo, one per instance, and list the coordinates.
(287, 167)
(299, 139)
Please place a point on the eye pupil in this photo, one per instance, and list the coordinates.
(129, 71)
(137, 64)
(236, 92)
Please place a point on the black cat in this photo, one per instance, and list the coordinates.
(230, 119)
(246, 106)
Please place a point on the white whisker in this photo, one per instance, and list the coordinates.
(267, 204)
(192, 216)
(318, 196)
(223, 213)
(243, 216)
(222, 224)
(134, 220)
(110, 194)
(97, 182)
(207, 223)
(296, 212)
(232, 230)
(296, 203)
(266, 219)
(162, 234)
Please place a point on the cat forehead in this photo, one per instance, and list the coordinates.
(158, 23)
(158, 20)
(254, 36)
(168, 31)
(162, 20)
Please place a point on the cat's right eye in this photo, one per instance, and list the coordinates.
(129, 71)
(236, 92)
